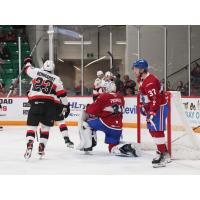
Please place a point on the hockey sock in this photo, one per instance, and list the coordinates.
(110, 146)
(30, 135)
(44, 136)
(159, 139)
(63, 130)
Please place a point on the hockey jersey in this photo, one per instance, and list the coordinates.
(151, 94)
(45, 86)
(97, 87)
(109, 108)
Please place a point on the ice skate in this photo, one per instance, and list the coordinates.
(68, 142)
(161, 159)
(128, 150)
(29, 149)
(41, 150)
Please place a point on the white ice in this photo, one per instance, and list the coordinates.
(61, 160)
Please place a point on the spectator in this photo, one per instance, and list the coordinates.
(181, 88)
(195, 76)
(186, 87)
(15, 93)
(119, 84)
(169, 86)
(2, 90)
(10, 37)
(129, 84)
(128, 92)
(196, 70)
(4, 53)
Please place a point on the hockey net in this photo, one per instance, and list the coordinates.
(182, 142)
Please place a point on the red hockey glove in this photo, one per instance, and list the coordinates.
(28, 60)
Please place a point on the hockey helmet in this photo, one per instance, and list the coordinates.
(108, 74)
(48, 66)
(140, 64)
(109, 86)
(99, 73)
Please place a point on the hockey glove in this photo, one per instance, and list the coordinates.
(28, 60)
(150, 116)
(143, 111)
(66, 110)
(0, 106)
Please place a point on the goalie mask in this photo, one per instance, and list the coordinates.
(99, 73)
(48, 66)
(108, 87)
(108, 74)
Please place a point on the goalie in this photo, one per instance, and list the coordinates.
(105, 114)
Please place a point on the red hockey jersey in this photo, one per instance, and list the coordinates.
(151, 94)
(109, 108)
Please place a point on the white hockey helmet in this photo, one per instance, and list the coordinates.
(108, 74)
(109, 86)
(48, 66)
(99, 73)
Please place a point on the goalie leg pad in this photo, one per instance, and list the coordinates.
(127, 150)
(85, 137)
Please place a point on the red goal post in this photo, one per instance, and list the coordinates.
(182, 143)
(168, 132)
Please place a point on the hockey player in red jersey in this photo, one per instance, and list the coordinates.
(45, 88)
(105, 114)
(153, 105)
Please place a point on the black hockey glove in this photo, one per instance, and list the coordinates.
(28, 60)
(66, 110)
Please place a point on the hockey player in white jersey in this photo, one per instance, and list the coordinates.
(45, 88)
(97, 85)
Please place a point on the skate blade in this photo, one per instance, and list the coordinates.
(27, 155)
(88, 153)
(71, 146)
(41, 156)
(159, 165)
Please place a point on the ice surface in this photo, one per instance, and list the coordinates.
(61, 160)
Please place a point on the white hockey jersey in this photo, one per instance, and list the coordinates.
(97, 87)
(45, 85)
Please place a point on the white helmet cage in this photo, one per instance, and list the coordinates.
(108, 74)
(48, 66)
(108, 87)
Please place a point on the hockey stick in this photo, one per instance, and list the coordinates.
(185, 134)
(14, 85)
(101, 58)
(112, 58)
(66, 32)
(195, 128)
(94, 61)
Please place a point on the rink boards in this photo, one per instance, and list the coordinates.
(14, 111)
